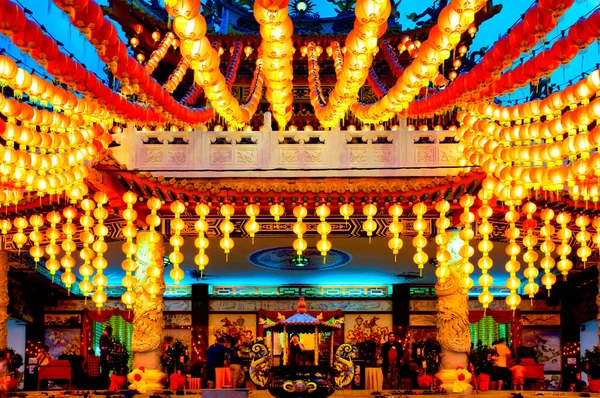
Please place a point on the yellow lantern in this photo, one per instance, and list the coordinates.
(52, 249)
(252, 227)
(547, 247)
(99, 246)
(583, 237)
(347, 210)
(420, 241)
(530, 256)
(485, 246)
(176, 257)
(441, 239)
(466, 234)
(36, 237)
(129, 265)
(276, 211)
(395, 228)
(86, 253)
(201, 242)
(20, 238)
(512, 250)
(369, 226)
(564, 265)
(153, 271)
(324, 229)
(226, 227)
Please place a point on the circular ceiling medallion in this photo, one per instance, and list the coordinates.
(285, 259)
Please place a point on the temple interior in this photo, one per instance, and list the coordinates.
(299, 198)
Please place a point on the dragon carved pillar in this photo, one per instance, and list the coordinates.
(453, 329)
(148, 320)
(3, 299)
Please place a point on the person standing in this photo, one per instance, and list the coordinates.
(391, 355)
(215, 358)
(91, 367)
(501, 372)
(518, 375)
(106, 345)
(295, 350)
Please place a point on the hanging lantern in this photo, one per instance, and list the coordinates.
(324, 229)
(583, 237)
(20, 238)
(347, 210)
(530, 256)
(68, 246)
(420, 241)
(299, 229)
(176, 256)
(134, 41)
(547, 247)
(441, 239)
(466, 234)
(36, 237)
(564, 265)
(156, 36)
(52, 249)
(276, 211)
(86, 253)
(252, 227)
(100, 247)
(512, 250)
(485, 246)
(201, 242)
(129, 247)
(395, 228)
(5, 226)
(153, 271)
(369, 225)
(226, 228)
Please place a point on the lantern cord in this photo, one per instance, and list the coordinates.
(484, 311)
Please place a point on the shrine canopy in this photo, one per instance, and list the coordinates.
(303, 322)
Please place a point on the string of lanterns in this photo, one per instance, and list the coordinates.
(160, 52)
(201, 242)
(453, 20)
(129, 247)
(484, 80)
(276, 29)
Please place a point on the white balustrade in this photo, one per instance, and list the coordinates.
(331, 153)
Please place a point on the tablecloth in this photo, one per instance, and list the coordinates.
(373, 379)
(223, 378)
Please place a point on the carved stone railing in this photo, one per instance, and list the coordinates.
(331, 153)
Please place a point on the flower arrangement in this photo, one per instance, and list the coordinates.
(176, 357)
(427, 354)
(482, 359)
(118, 358)
(14, 361)
(463, 377)
(590, 363)
(136, 378)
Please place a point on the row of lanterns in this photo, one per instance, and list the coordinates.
(453, 20)
(93, 233)
(485, 81)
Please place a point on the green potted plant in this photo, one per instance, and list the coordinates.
(118, 362)
(482, 363)
(590, 363)
(14, 361)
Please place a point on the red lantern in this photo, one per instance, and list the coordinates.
(88, 19)
(48, 51)
(555, 8)
(29, 38)
(12, 18)
(538, 22)
(521, 39)
(71, 6)
(564, 51)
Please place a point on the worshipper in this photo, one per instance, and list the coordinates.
(501, 372)
(518, 375)
(215, 358)
(391, 355)
(295, 350)
(106, 345)
(91, 367)
(236, 363)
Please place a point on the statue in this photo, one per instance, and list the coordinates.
(433, 13)
(343, 365)
(453, 332)
(260, 364)
(148, 322)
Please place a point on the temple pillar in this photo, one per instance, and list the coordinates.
(453, 332)
(3, 299)
(148, 323)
